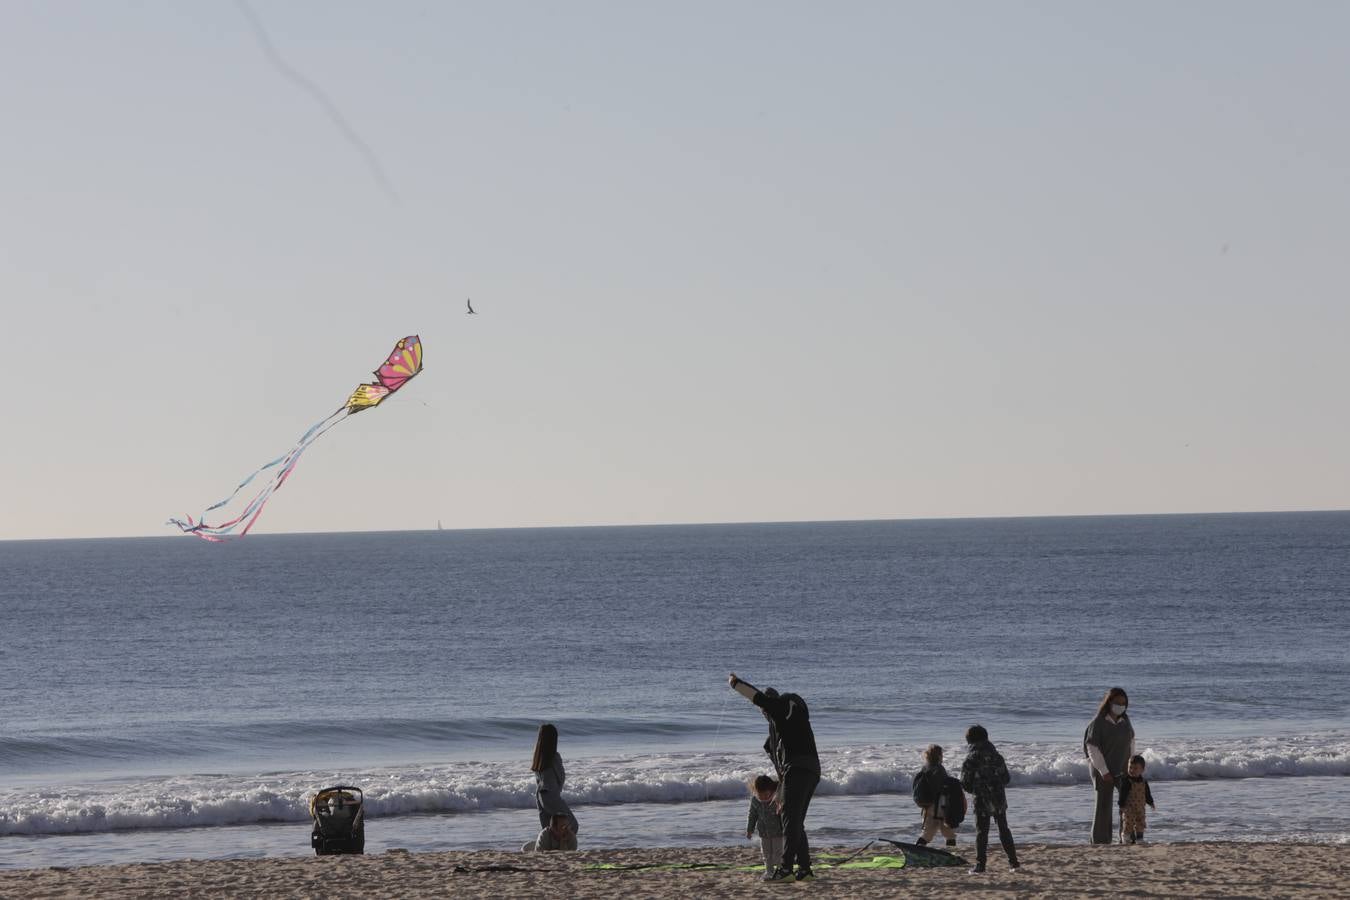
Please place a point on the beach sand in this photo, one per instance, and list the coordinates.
(1164, 870)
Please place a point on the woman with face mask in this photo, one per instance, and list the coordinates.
(1109, 744)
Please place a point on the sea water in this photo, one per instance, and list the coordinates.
(164, 697)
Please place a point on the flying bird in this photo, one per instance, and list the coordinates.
(469, 304)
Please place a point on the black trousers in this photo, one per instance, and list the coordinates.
(798, 786)
(982, 836)
(1104, 811)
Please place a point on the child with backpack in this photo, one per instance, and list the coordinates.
(931, 794)
(984, 775)
(765, 818)
(1134, 793)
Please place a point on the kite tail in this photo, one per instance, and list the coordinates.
(286, 470)
(287, 461)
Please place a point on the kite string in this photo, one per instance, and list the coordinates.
(717, 733)
(856, 853)
(291, 74)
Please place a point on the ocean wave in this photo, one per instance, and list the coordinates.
(187, 740)
(217, 800)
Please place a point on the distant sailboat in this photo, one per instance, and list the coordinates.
(438, 525)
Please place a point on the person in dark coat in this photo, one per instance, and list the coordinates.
(791, 745)
(984, 775)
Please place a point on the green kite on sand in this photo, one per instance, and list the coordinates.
(911, 855)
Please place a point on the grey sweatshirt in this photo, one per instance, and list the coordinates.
(548, 785)
(1114, 741)
(764, 819)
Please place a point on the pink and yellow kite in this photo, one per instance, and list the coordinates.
(403, 364)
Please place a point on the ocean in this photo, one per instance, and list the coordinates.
(164, 698)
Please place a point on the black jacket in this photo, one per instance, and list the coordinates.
(791, 743)
(927, 784)
(983, 774)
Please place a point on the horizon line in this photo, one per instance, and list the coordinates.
(725, 523)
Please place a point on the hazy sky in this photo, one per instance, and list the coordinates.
(733, 261)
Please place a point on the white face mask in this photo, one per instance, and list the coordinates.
(1117, 709)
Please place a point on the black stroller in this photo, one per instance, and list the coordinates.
(339, 821)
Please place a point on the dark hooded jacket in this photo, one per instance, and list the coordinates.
(983, 775)
(791, 743)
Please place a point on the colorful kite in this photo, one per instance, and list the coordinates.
(401, 366)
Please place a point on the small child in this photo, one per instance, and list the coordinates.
(984, 774)
(928, 783)
(765, 818)
(1132, 801)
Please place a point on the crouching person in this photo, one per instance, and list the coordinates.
(557, 836)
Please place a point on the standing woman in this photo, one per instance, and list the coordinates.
(1109, 744)
(549, 777)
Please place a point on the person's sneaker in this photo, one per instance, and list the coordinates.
(779, 874)
(951, 843)
(921, 842)
(805, 875)
(1013, 867)
(977, 869)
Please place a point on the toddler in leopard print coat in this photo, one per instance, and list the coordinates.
(1134, 794)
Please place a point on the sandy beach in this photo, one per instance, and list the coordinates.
(1163, 870)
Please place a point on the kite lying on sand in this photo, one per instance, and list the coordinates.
(402, 366)
(912, 856)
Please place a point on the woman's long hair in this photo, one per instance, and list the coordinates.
(1105, 706)
(545, 747)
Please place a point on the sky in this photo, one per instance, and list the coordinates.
(747, 261)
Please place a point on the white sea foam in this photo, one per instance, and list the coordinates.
(214, 800)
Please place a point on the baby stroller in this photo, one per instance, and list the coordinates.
(339, 821)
